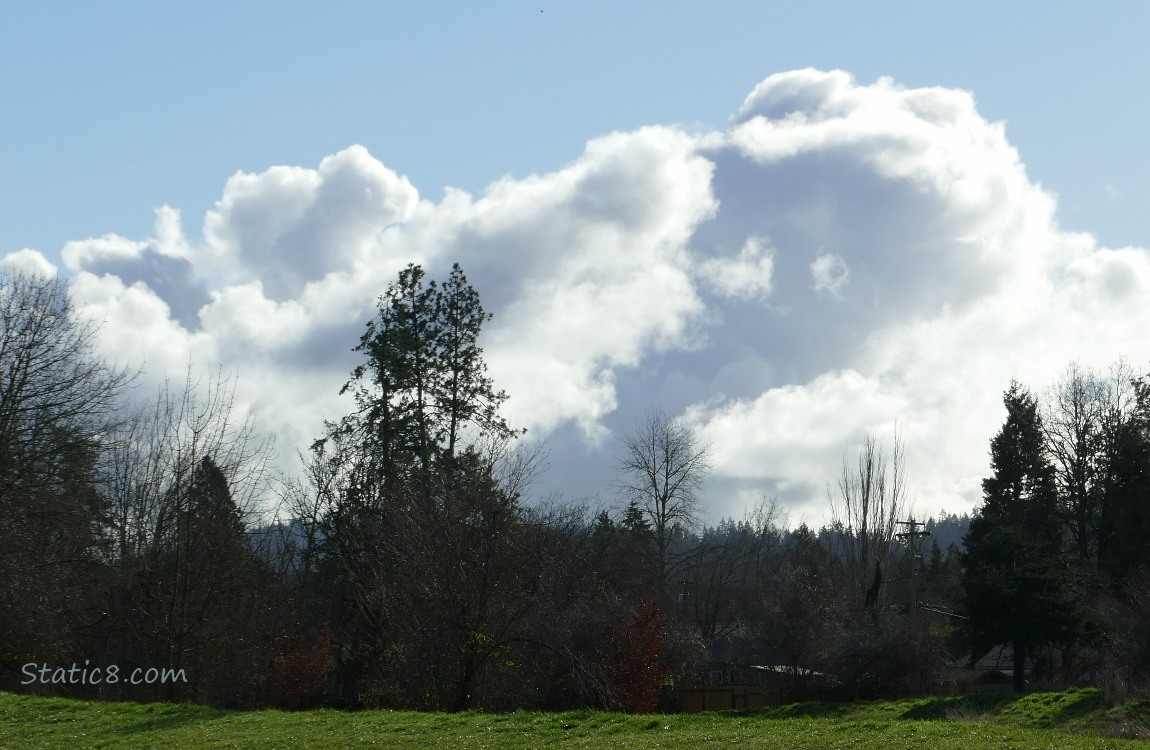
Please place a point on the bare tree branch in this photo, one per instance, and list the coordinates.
(661, 470)
(870, 499)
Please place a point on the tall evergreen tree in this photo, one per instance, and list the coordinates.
(1017, 589)
(423, 383)
(193, 604)
(421, 532)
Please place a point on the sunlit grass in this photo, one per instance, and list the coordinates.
(1043, 720)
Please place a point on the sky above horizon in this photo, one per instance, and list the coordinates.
(790, 227)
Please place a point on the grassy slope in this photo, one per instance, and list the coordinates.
(1035, 721)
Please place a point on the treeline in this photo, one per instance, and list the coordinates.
(125, 533)
(1055, 561)
(411, 566)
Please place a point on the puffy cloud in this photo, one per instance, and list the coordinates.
(914, 181)
(916, 270)
(783, 432)
(29, 261)
(290, 225)
(136, 326)
(830, 273)
(161, 265)
(586, 269)
(746, 277)
(840, 258)
(1118, 278)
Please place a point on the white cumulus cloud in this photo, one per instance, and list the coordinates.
(840, 258)
(744, 277)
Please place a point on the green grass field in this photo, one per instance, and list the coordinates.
(1076, 719)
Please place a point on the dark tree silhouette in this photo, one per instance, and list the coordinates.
(58, 402)
(1017, 590)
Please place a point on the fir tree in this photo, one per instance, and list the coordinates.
(1016, 588)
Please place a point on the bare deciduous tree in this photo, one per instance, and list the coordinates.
(56, 395)
(870, 498)
(1082, 414)
(163, 443)
(58, 401)
(183, 479)
(661, 470)
(730, 566)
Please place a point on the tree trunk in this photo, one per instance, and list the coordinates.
(1019, 667)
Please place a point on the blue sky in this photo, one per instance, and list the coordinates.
(755, 287)
(113, 108)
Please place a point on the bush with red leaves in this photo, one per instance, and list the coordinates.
(633, 668)
(297, 669)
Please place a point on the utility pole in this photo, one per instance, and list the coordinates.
(912, 535)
